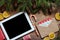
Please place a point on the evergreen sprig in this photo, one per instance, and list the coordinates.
(2, 2)
(21, 5)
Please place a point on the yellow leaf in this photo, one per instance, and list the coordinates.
(1, 16)
(6, 14)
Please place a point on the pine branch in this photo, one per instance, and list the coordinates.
(2, 2)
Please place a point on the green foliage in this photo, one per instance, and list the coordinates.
(8, 4)
(58, 36)
(43, 5)
(2, 2)
(38, 3)
(24, 4)
(19, 1)
(57, 3)
(21, 5)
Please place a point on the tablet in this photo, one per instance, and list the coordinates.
(16, 26)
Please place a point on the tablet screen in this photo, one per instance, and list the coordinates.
(16, 26)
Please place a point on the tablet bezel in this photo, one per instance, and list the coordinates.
(5, 33)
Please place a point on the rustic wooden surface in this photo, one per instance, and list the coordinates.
(33, 35)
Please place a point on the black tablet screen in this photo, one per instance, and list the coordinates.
(16, 26)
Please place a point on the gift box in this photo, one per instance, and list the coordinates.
(2, 37)
(27, 37)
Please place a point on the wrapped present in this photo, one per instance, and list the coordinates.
(2, 37)
(27, 37)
